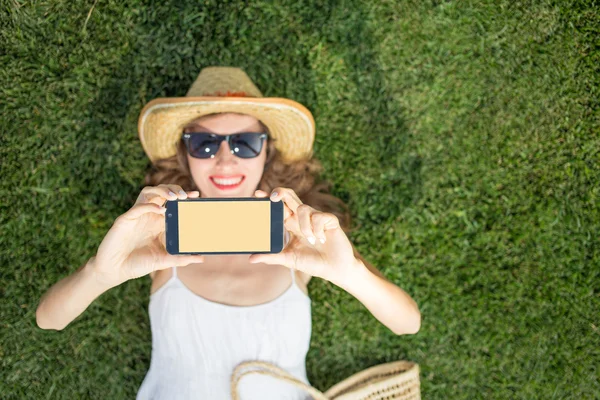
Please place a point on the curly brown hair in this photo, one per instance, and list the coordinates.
(300, 176)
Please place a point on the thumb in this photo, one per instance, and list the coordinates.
(271, 259)
(170, 260)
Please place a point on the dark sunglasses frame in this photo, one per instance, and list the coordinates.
(186, 137)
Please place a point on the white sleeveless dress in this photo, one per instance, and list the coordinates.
(196, 344)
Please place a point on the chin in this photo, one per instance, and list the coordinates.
(213, 192)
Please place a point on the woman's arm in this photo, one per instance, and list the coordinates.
(391, 305)
(336, 260)
(69, 297)
(126, 252)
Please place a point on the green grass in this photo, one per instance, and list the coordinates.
(463, 135)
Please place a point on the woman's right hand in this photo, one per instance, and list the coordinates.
(135, 244)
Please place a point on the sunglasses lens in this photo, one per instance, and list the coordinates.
(243, 145)
(247, 145)
(202, 145)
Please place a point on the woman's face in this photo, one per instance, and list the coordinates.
(226, 165)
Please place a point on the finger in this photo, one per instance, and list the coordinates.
(304, 212)
(289, 197)
(330, 221)
(318, 223)
(157, 194)
(149, 195)
(292, 225)
(162, 238)
(178, 190)
(140, 209)
(287, 212)
(170, 191)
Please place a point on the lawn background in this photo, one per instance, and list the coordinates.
(463, 135)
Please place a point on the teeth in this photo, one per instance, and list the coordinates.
(227, 181)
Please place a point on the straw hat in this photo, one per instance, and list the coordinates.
(226, 89)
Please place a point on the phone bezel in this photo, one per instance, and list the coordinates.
(172, 225)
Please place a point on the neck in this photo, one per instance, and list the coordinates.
(228, 259)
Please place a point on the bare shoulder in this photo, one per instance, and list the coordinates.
(304, 277)
(159, 278)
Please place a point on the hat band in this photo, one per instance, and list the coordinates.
(228, 94)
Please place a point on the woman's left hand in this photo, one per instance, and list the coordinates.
(332, 260)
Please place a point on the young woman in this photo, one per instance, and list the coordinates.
(220, 310)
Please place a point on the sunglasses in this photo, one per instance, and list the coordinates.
(206, 145)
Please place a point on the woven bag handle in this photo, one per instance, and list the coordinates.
(271, 370)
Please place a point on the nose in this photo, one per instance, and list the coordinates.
(224, 151)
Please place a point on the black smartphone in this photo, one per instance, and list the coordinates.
(224, 226)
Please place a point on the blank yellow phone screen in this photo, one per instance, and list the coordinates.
(224, 226)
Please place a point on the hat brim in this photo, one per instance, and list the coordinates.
(162, 120)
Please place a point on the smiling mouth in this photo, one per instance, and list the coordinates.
(225, 184)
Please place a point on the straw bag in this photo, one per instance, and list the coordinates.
(394, 380)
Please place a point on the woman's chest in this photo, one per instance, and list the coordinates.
(191, 330)
(244, 285)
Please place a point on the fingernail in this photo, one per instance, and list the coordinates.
(182, 192)
(172, 194)
(312, 240)
(274, 195)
